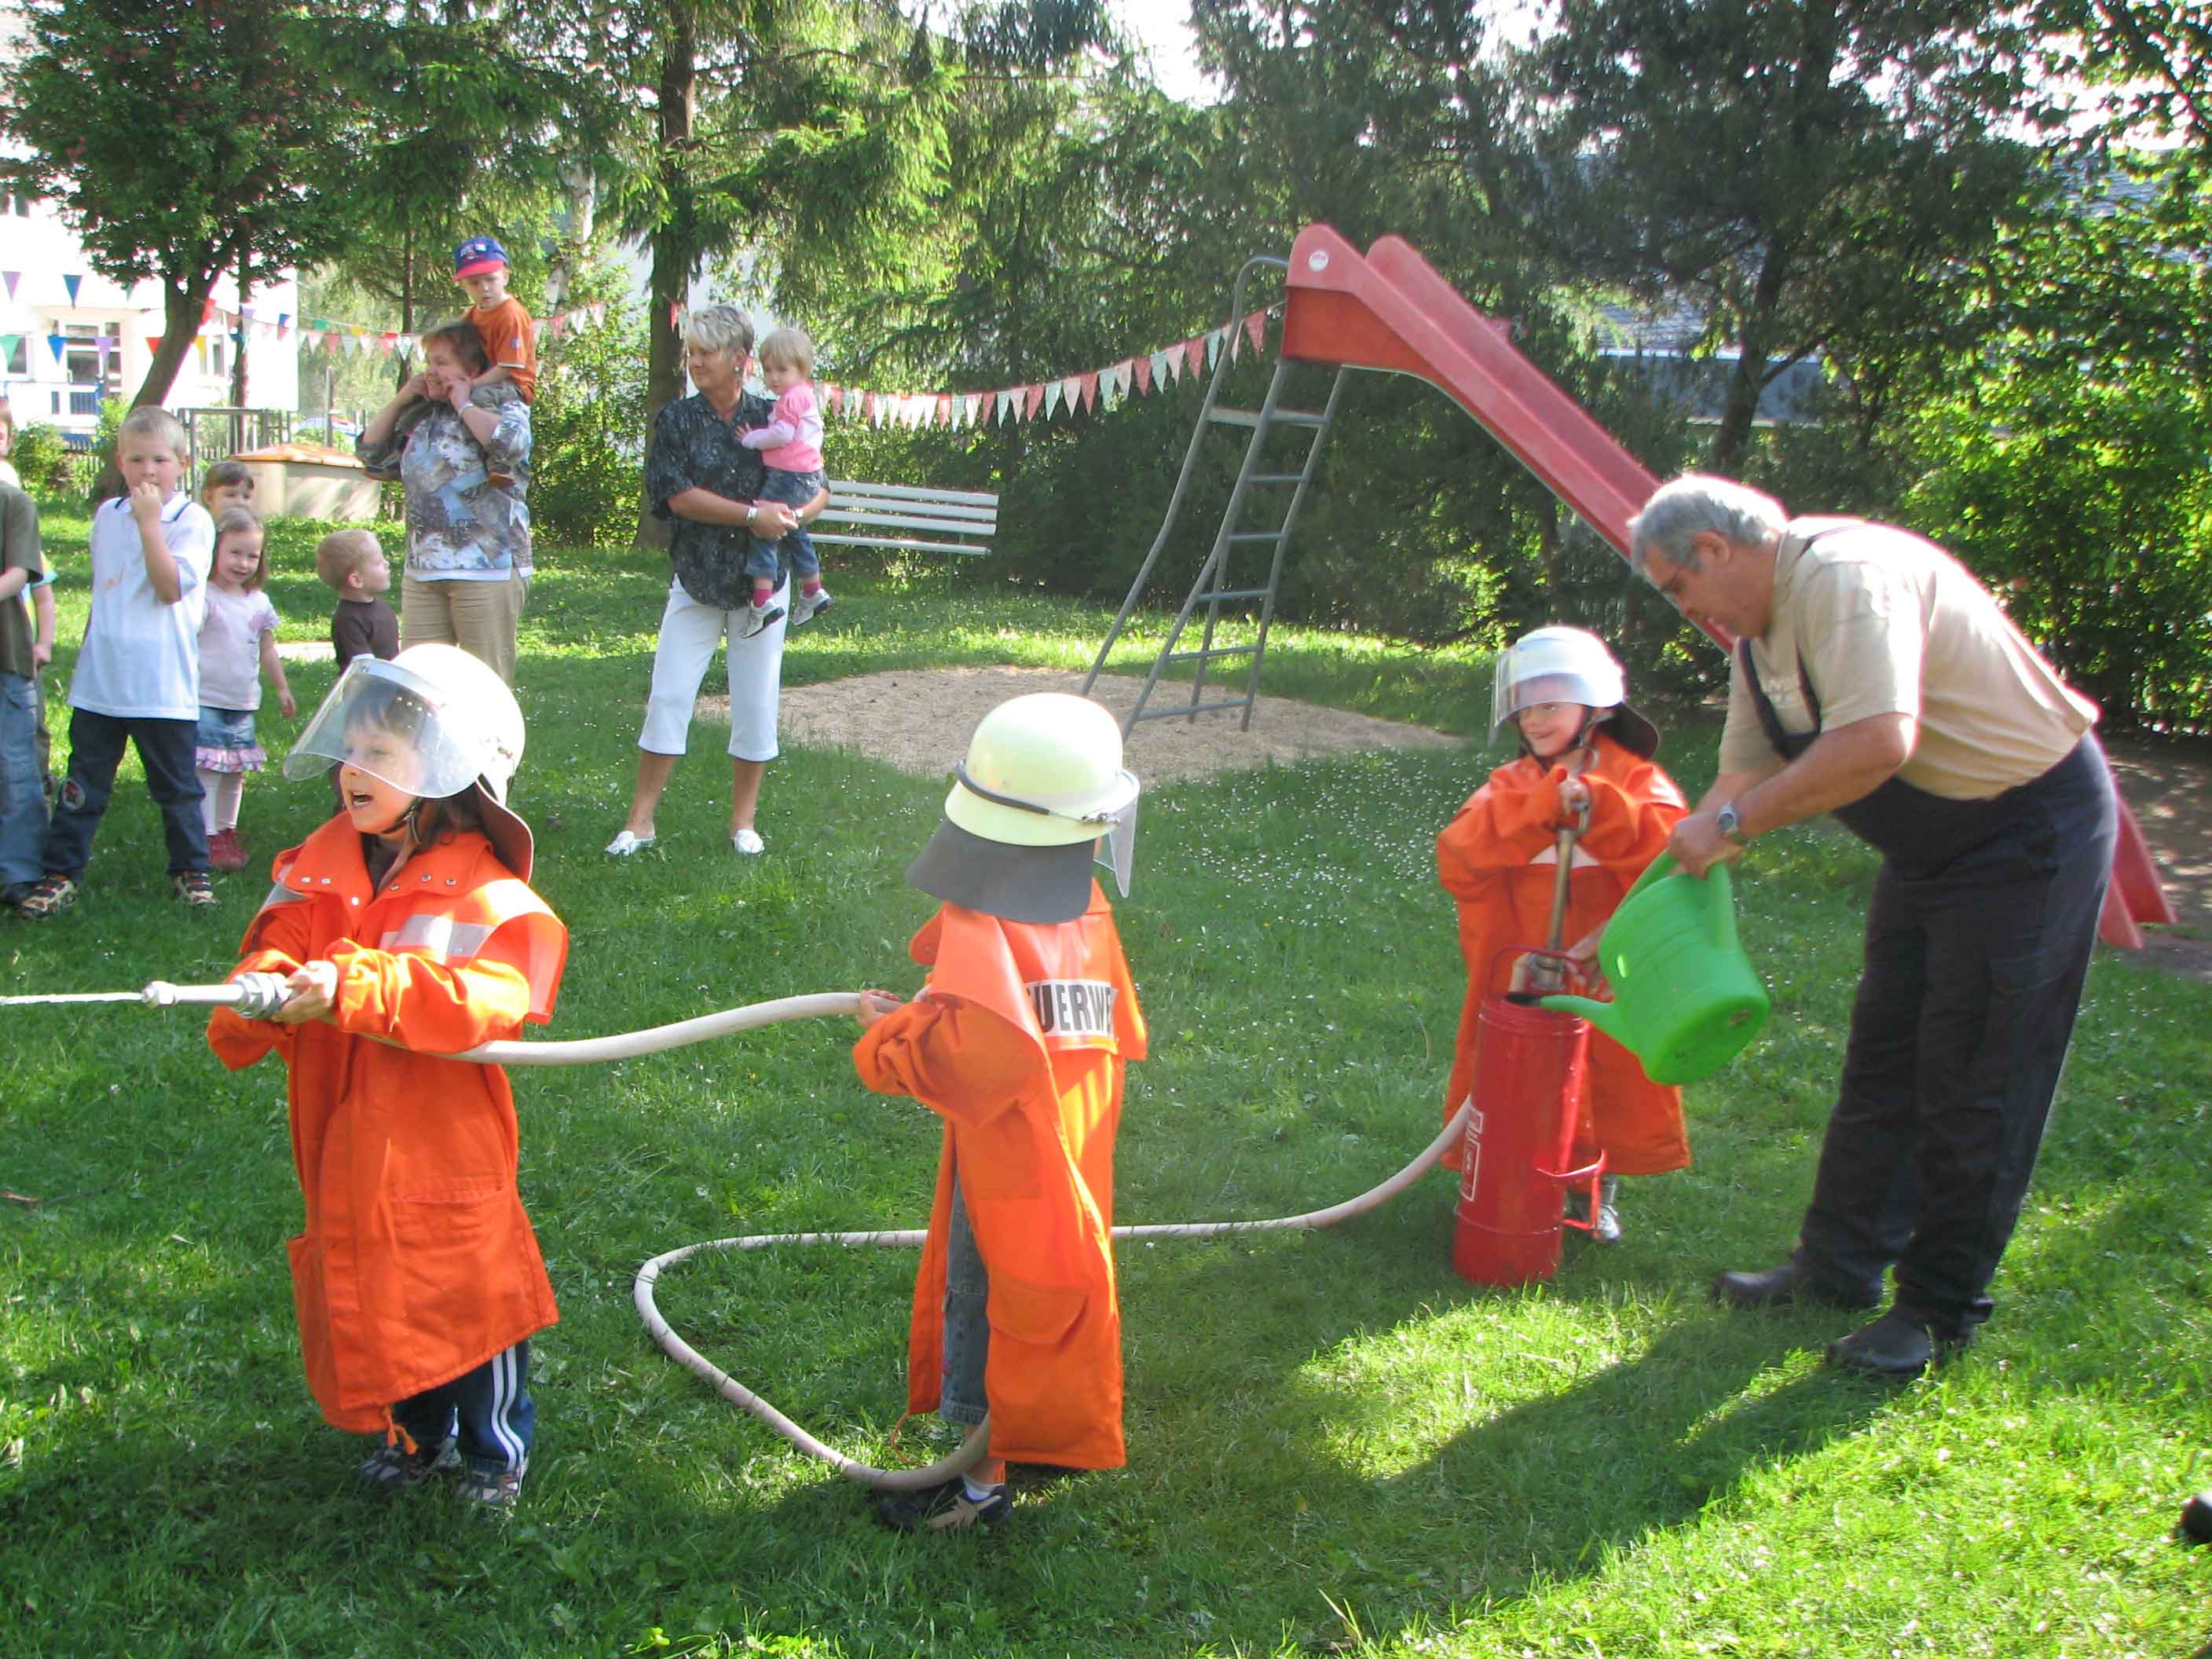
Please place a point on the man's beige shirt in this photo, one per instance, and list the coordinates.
(1887, 622)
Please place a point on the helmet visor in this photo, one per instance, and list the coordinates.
(379, 718)
(1117, 847)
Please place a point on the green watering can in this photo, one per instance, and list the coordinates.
(1686, 1001)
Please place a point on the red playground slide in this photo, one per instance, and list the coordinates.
(1389, 309)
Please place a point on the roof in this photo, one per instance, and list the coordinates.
(302, 455)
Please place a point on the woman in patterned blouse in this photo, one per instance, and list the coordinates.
(707, 484)
(463, 460)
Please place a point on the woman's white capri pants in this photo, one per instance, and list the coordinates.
(690, 631)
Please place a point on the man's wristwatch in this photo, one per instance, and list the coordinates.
(1730, 826)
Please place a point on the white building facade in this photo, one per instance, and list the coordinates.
(70, 338)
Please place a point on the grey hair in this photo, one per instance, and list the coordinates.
(1692, 505)
(720, 328)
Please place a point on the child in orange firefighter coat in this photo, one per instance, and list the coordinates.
(1018, 1041)
(405, 929)
(1580, 743)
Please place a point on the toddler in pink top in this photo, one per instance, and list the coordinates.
(791, 448)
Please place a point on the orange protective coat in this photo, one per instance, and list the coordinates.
(1019, 1041)
(417, 1263)
(1497, 858)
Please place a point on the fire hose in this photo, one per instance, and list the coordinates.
(256, 995)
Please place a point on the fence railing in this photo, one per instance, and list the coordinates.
(213, 433)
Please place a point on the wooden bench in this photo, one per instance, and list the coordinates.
(899, 516)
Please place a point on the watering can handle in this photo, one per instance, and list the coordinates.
(1664, 865)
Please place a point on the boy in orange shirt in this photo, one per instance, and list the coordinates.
(1019, 1041)
(1582, 745)
(503, 322)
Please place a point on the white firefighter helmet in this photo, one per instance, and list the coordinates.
(432, 721)
(1569, 664)
(1043, 774)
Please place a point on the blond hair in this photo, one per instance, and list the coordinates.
(152, 421)
(345, 553)
(788, 348)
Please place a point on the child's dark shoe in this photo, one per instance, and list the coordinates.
(195, 887)
(492, 1493)
(47, 898)
(947, 1508)
(395, 1468)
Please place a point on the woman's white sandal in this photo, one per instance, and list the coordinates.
(626, 844)
(748, 841)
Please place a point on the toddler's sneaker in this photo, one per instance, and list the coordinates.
(947, 1508)
(757, 618)
(1608, 1230)
(48, 896)
(225, 851)
(492, 1493)
(806, 607)
(195, 887)
(394, 1468)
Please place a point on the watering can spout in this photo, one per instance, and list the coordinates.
(1602, 1015)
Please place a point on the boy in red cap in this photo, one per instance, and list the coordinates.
(501, 322)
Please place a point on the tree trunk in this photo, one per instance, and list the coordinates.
(1733, 441)
(674, 240)
(238, 385)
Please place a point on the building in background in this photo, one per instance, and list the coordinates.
(70, 338)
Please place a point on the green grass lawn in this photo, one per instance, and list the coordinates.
(1335, 1444)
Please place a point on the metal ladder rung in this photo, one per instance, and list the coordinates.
(1280, 417)
(1230, 594)
(1278, 478)
(1211, 652)
(1188, 710)
(1256, 536)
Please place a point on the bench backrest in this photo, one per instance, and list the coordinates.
(901, 515)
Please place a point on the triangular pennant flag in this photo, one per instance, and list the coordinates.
(1032, 397)
(7, 347)
(834, 396)
(599, 310)
(72, 283)
(553, 326)
(974, 403)
(1193, 353)
(154, 345)
(207, 313)
(1144, 367)
(199, 344)
(59, 342)
(944, 409)
(1255, 326)
(1051, 399)
(284, 324)
(11, 278)
(1214, 340)
(869, 406)
(1122, 372)
(675, 311)
(1090, 388)
(1168, 366)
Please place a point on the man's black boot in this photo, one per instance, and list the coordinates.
(1898, 1346)
(1782, 1288)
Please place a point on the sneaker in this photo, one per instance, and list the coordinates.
(757, 618)
(225, 851)
(947, 1508)
(748, 842)
(1608, 1230)
(392, 1468)
(627, 842)
(490, 1492)
(195, 887)
(805, 608)
(46, 896)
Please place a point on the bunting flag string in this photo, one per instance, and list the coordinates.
(1108, 387)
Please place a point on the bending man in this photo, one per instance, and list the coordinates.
(1876, 680)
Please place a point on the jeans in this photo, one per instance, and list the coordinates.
(22, 792)
(1973, 976)
(165, 748)
(967, 1328)
(794, 490)
(490, 1408)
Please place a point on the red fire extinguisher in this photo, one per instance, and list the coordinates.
(1528, 1069)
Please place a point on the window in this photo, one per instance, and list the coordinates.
(20, 206)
